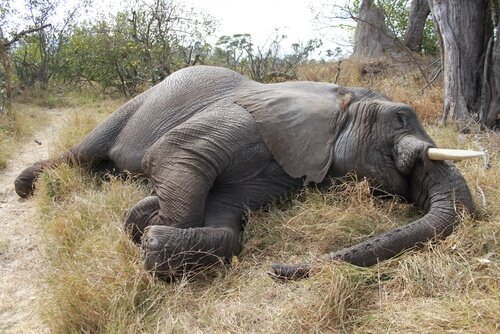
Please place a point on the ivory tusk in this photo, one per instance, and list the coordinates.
(449, 154)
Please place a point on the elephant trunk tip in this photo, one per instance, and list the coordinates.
(290, 271)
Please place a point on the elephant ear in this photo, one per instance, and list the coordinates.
(297, 122)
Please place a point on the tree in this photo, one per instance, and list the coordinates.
(262, 63)
(136, 48)
(419, 12)
(5, 58)
(470, 59)
(37, 58)
(372, 38)
(384, 26)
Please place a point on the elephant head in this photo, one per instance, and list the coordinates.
(320, 131)
(398, 155)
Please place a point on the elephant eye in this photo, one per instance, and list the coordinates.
(402, 119)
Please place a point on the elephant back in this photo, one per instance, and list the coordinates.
(167, 105)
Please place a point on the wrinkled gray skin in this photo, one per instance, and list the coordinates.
(214, 143)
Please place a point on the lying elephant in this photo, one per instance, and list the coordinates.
(214, 144)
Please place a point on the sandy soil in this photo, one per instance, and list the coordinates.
(22, 262)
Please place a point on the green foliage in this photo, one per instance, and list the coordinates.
(138, 48)
(397, 15)
(265, 63)
(430, 39)
(28, 61)
(53, 186)
(396, 12)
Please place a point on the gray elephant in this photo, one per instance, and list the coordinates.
(214, 144)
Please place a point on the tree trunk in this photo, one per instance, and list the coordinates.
(419, 11)
(372, 38)
(489, 114)
(5, 61)
(465, 29)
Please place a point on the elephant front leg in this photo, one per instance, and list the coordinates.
(170, 252)
(195, 228)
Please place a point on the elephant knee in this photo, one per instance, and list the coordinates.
(143, 214)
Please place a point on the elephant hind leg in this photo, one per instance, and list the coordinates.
(25, 181)
(143, 214)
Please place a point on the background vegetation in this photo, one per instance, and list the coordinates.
(96, 282)
(134, 48)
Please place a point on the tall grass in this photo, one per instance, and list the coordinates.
(96, 283)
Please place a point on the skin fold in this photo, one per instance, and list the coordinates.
(214, 144)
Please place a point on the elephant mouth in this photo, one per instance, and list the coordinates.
(415, 160)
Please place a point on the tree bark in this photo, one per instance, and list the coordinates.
(419, 11)
(489, 114)
(465, 29)
(5, 61)
(372, 37)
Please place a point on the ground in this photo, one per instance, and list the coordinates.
(22, 260)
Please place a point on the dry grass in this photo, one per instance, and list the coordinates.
(31, 113)
(403, 83)
(17, 126)
(97, 283)
(82, 119)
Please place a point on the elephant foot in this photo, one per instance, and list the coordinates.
(143, 214)
(290, 271)
(25, 182)
(170, 252)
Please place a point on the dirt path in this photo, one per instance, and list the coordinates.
(22, 262)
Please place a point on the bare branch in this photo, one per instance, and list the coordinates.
(433, 78)
(6, 44)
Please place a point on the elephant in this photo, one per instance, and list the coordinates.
(214, 144)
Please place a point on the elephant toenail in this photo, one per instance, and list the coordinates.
(153, 243)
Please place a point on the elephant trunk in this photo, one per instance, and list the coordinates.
(435, 186)
(439, 189)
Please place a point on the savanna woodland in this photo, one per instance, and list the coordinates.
(66, 264)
